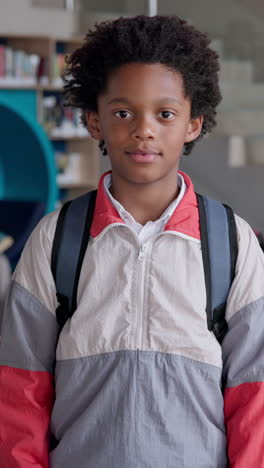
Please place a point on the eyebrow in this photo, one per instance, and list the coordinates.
(124, 100)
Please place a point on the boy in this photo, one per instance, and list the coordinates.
(138, 376)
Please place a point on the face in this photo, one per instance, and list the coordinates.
(144, 118)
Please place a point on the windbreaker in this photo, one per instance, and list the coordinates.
(138, 380)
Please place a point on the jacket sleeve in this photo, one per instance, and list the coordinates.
(243, 356)
(29, 334)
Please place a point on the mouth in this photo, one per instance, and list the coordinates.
(147, 155)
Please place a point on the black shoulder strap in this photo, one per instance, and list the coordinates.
(219, 252)
(260, 237)
(68, 250)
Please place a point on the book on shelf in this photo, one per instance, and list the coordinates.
(5, 242)
(61, 122)
(2, 61)
(52, 112)
(19, 68)
(42, 71)
(58, 68)
(69, 168)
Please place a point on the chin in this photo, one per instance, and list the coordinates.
(142, 179)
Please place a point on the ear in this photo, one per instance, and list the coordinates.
(93, 125)
(194, 129)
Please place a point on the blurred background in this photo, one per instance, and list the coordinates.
(46, 156)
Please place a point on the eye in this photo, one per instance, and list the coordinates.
(167, 115)
(122, 114)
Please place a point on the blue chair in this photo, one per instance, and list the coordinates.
(27, 163)
(28, 187)
(18, 219)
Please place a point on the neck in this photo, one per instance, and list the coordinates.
(145, 202)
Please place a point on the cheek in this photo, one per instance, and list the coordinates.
(174, 138)
(115, 134)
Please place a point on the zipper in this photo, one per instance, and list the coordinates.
(140, 283)
(140, 295)
(140, 289)
(141, 252)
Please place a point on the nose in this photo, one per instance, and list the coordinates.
(144, 129)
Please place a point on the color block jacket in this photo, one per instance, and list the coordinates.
(137, 379)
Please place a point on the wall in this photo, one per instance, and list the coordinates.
(104, 5)
(115, 6)
(19, 17)
(210, 16)
(241, 188)
(49, 3)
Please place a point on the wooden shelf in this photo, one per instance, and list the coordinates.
(56, 89)
(19, 87)
(31, 87)
(73, 138)
(73, 185)
(48, 47)
(72, 39)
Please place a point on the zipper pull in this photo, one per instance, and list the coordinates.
(141, 252)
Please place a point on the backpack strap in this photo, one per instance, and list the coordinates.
(69, 246)
(260, 237)
(219, 251)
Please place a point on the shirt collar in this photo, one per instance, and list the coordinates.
(127, 217)
(185, 219)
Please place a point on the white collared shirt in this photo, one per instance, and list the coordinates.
(151, 227)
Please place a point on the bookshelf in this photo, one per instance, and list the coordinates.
(30, 78)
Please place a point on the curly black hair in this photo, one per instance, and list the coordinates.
(168, 40)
